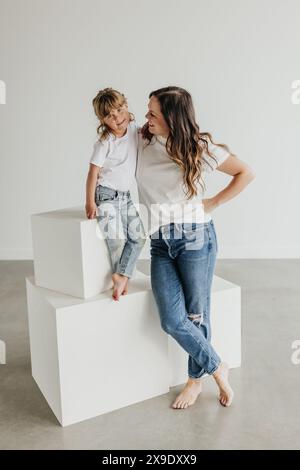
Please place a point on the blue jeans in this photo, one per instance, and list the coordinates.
(183, 257)
(121, 227)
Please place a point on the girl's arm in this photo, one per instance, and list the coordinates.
(91, 181)
(242, 175)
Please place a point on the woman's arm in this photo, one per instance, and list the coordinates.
(242, 175)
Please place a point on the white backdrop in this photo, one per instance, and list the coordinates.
(238, 59)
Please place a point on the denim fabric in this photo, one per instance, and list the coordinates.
(122, 228)
(183, 257)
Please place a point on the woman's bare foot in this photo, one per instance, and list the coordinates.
(221, 377)
(120, 285)
(189, 394)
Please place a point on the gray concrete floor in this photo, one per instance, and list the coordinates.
(264, 415)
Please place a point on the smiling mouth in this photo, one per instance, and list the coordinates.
(121, 123)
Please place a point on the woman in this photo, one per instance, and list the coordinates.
(173, 154)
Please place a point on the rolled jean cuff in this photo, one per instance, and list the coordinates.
(123, 273)
(212, 371)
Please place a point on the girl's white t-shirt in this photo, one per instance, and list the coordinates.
(161, 188)
(117, 156)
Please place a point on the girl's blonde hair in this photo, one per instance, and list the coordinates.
(104, 102)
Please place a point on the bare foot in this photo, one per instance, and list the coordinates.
(189, 394)
(125, 291)
(120, 285)
(221, 377)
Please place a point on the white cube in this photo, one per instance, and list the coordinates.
(226, 330)
(93, 356)
(70, 256)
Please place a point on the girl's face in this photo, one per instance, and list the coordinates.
(118, 120)
(156, 120)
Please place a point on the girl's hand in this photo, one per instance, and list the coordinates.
(209, 204)
(91, 210)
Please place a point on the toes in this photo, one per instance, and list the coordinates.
(177, 403)
(226, 400)
(181, 404)
(221, 400)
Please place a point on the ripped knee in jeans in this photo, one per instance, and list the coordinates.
(196, 318)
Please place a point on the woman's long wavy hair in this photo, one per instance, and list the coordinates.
(104, 102)
(186, 144)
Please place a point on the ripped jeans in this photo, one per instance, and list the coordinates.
(122, 228)
(183, 257)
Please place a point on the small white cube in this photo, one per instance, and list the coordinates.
(70, 253)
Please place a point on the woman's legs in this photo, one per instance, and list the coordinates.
(196, 269)
(169, 295)
(179, 266)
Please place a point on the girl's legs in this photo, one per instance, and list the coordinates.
(135, 241)
(124, 233)
(135, 237)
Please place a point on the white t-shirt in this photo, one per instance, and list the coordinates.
(161, 188)
(117, 156)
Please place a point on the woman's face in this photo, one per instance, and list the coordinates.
(156, 120)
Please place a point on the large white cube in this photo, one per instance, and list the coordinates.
(70, 255)
(93, 356)
(226, 330)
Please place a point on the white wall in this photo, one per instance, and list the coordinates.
(237, 58)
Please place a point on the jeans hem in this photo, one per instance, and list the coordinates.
(196, 377)
(205, 372)
(214, 369)
(124, 274)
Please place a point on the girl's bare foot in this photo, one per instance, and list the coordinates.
(189, 394)
(125, 291)
(221, 377)
(120, 285)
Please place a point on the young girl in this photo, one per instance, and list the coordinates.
(111, 174)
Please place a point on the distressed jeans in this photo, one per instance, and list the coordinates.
(122, 228)
(183, 257)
